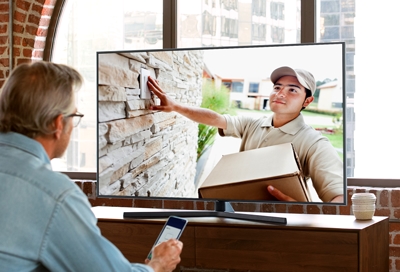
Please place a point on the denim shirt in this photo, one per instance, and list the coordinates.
(46, 223)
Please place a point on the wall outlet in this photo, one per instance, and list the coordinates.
(144, 90)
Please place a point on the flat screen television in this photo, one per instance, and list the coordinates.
(152, 154)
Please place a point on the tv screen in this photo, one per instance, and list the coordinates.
(145, 152)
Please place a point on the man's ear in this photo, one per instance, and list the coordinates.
(308, 101)
(58, 125)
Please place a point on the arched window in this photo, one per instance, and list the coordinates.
(83, 28)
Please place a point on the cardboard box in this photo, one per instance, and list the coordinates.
(246, 175)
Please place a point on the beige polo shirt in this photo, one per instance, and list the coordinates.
(319, 159)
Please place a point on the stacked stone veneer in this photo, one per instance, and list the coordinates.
(144, 152)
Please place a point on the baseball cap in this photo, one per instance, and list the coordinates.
(305, 78)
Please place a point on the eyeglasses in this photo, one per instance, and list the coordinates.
(78, 118)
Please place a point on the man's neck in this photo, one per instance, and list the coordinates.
(279, 120)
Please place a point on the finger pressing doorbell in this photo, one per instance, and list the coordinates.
(144, 90)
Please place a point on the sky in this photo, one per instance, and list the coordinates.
(322, 60)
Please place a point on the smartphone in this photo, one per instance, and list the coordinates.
(173, 228)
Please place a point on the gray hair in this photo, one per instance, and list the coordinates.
(35, 94)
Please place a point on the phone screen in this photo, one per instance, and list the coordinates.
(173, 228)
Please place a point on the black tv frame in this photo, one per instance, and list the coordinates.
(223, 208)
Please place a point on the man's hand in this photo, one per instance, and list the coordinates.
(278, 194)
(167, 104)
(166, 256)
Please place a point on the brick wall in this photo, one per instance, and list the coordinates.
(31, 19)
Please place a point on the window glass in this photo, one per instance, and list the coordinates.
(237, 22)
(84, 28)
(372, 98)
(237, 87)
(253, 87)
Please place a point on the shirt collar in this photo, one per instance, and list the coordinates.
(26, 144)
(291, 127)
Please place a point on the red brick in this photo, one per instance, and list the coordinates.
(200, 205)
(42, 32)
(280, 208)
(78, 183)
(17, 51)
(329, 209)
(360, 190)
(394, 226)
(148, 203)
(18, 28)
(38, 8)
(27, 53)
(28, 42)
(4, 7)
(44, 22)
(396, 264)
(313, 209)
(37, 54)
(3, 28)
(4, 18)
(47, 11)
(49, 3)
(267, 208)
(31, 29)
(395, 239)
(394, 251)
(383, 197)
(19, 17)
(245, 206)
(176, 204)
(396, 212)
(5, 62)
(118, 202)
(295, 208)
(382, 212)
(40, 44)
(89, 188)
(395, 198)
(17, 40)
(25, 5)
(3, 49)
(34, 19)
(21, 60)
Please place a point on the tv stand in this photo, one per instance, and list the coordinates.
(308, 242)
(222, 209)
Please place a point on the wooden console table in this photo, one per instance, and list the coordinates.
(308, 242)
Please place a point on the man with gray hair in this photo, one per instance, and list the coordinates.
(46, 221)
(293, 90)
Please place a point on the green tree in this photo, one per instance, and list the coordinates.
(216, 99)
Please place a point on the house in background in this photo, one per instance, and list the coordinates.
(330, 97)
(245, 93)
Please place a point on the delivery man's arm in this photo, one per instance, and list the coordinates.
(196, 114)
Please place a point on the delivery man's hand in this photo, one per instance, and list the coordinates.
(167, 104)
(278, 194)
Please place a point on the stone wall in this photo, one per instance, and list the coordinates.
(144, 152)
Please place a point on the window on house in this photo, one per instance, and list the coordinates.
(237, 87)
(253, 87)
